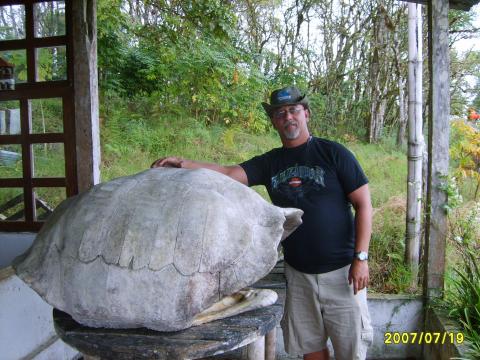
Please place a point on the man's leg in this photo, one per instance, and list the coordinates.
(302, 323)
(319, 355)
(345, 316)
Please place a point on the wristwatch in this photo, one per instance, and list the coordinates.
(361, 255)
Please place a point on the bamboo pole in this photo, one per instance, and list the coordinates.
(415, 142)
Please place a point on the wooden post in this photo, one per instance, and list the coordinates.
(87, 133)
(415, 141)
(438, 137)
(256, 349)
(88, 357)
(271, 344)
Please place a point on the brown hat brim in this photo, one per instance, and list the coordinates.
(270, 108)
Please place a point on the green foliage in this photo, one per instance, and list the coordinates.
(335, 114)
(454, 198)
(49, 21)
(215, 60)
(137, 72)
(476, 100)
(8, 30)
(113, 42)
(462, 295)
(465, 151)
(19, 59)
(464, 67)
(462, 290)
(47, 115)
(460, 22)
(187, 63)
(52, 64)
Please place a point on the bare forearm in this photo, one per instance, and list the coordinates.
(363, 227)
(360, 199)
(362, 204)
(193, 164)
(236, 172)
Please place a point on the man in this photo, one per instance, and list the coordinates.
(326, 257)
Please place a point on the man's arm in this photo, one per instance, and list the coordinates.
(360, 199)
(236, 172)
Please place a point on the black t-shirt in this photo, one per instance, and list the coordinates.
(316, 177)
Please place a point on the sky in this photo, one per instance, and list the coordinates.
(471, 44)
(466, 45)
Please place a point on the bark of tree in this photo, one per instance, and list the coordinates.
(402, 118)
(402, 97)
(378, 88)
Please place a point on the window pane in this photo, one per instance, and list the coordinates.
(10, 117)
(49, 18)
(46, 200)
(48, 160)
(47, 116)
(51, 63)
(19, 59)
(11, 161)
(12, 22)
(11, 204)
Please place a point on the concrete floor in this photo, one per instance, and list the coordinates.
(240, 354)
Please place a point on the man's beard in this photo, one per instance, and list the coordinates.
(291, 134)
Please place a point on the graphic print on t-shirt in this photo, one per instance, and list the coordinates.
(296, 181)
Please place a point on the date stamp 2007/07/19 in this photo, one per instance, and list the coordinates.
(422, 337)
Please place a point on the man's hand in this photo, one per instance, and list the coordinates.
(169, 161)
(359, 275)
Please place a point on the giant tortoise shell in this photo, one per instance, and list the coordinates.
(154, 249)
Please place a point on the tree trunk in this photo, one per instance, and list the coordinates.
(402, 98)
(377, 90)
(402, 119)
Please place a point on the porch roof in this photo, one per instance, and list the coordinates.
(454, 4)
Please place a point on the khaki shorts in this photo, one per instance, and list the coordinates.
(322, 306)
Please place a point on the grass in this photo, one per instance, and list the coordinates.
(388, 273)
(386, 167)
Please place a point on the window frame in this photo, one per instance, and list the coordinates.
(30, 90)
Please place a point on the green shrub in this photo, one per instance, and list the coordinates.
(462, 295)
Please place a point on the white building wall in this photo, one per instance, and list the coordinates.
(12, 245)
(26, 324)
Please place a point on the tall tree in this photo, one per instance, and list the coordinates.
(378, 77)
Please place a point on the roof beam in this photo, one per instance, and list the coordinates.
(464, 5)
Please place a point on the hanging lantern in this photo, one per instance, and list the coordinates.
(7, 81)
